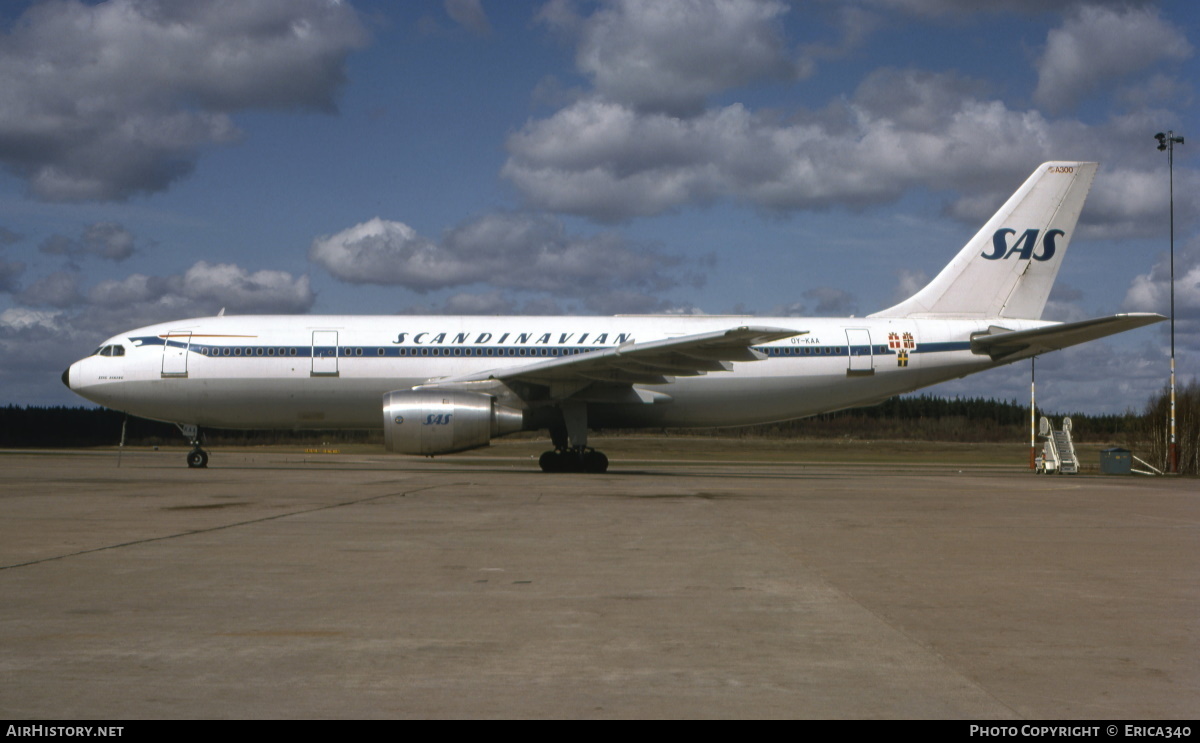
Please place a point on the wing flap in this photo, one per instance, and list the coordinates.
(623, 376)
(743, 354)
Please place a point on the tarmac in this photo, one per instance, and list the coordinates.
(289, 585)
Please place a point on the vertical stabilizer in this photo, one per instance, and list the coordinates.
(1008, 268)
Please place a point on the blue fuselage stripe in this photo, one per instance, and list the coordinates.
(408, 351)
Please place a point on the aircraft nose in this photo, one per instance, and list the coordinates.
(66, 377)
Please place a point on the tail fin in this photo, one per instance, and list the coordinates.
(1008, 268)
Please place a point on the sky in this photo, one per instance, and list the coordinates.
(166, 159)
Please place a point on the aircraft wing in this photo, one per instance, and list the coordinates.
(652, 362)
(1000, 343)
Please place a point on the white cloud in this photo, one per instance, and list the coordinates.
(242, 291)
(830, 301)
(36, 343)
(102, 101)
(40, 343)
(902, 129)
(1151, 292)
(380, 251)
(203, 289)
(1063, 304)
(106, 240)
(58, 289)
(820, 301)
(10, 275)
(1097, 45)
(909, 281)
(470, 15)
(489, 303)
(1104, 376)
(18, 319)
(656, 56)
(608, 162)
(510, 251)
(131, 290)
(644, 140)
(791, 309)
(960, 8)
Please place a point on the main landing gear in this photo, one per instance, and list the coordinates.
(571, 452)
(573, 460)
(197, 457)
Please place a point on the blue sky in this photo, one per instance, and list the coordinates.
(164, 159)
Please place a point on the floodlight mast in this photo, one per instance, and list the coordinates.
(1167, 142)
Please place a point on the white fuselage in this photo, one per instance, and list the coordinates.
(332, 371)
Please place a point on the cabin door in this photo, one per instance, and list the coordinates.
(324, 353)
(175, 353)
(860, 352)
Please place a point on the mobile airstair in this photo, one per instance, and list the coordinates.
(1058, 451)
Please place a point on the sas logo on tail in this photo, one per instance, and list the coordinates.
(1024, 246)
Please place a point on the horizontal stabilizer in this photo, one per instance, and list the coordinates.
(1000, 343)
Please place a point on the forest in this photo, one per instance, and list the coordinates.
(909, 418)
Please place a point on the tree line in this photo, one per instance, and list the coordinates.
(913, 418)
(930, 418)
(1151, 433)
(71, 427)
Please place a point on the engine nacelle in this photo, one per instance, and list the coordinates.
(432, 422)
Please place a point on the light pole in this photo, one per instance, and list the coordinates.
(1167, 142)
(1032, 414)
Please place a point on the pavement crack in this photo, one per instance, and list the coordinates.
(221, 527)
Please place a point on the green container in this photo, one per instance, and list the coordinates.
(1116, 461)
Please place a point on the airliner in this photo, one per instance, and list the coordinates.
(442, 384)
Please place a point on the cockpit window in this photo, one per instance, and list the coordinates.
(113, 350)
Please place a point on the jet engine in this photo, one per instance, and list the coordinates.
(433, 422)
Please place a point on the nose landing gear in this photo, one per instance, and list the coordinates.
(197, 458)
